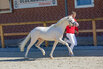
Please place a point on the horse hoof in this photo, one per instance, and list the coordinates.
(26, 58)
(52, 57)
(72, 55)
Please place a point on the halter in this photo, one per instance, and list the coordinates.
(71, 22)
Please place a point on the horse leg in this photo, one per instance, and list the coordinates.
(40, 41)
(53, 48)
(29, 46)
(69, 49)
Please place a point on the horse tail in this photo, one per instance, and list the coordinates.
(23, 43)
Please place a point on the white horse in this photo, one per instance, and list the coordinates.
(52, 33)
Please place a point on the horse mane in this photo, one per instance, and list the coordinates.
(60, 21)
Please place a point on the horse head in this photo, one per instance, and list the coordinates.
(68, 20)
(71, 21)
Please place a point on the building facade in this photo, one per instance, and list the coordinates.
(85, 9)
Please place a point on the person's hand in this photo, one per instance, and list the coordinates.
(77, 33)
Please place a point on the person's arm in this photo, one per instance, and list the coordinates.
(76, 28)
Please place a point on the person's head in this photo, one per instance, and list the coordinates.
(73, 14)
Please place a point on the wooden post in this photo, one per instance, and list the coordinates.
(44, 24)
(94, 33)
(46, 43)
(2, 36)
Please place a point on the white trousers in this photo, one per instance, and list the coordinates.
(71, 39)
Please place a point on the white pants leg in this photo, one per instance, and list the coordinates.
(72, 40)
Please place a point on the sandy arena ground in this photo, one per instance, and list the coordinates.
(91, 58)
(57, 63)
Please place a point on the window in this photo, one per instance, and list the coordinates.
(84, 3)
(5, 6)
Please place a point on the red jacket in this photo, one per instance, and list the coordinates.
(71, 29)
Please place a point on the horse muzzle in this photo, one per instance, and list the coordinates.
(75, 24)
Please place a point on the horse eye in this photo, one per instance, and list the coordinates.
(70, 21)
(68, 18)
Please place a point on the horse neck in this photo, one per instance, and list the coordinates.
(62, 23)
(63, 26)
